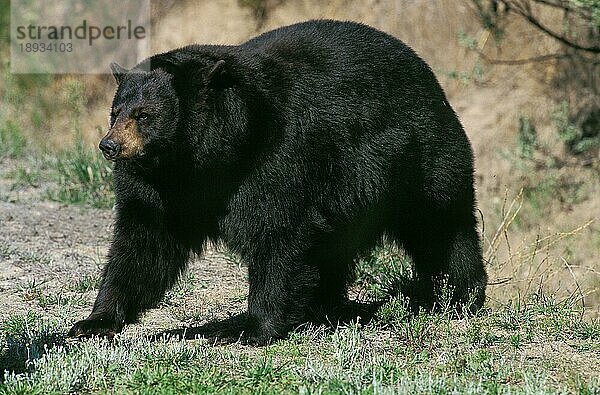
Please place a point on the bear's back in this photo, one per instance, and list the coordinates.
(325, 59)
(342, 36)
(356, 100)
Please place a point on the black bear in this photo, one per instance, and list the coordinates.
(298, 150)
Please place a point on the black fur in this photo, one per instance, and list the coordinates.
(298, 149)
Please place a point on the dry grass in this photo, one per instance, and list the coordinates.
(526, 267)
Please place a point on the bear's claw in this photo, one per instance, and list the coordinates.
(94, 327)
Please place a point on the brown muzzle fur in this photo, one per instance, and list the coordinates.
(125, 134)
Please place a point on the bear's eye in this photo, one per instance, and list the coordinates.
(113, 116)
(142, 116)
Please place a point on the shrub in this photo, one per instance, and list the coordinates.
(575, 140)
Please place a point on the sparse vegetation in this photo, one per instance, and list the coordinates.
(31, 290)
(61, 299)
(526, 138)
(527, 346)
(83, 177)
(85, 283)
(184, 287)
(383, 272)
(75, 175)
(12, 141)
(26, 176)
(26, 257)
(543, 179)
(574, 138)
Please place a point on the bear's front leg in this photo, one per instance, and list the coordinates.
(143, 262)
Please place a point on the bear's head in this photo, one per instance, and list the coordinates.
(144, 114)
(147, 106)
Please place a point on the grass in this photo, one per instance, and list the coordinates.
(538, 345)
(184, 287)
(383, 272)
(85, 283)
(75, 175)
(26, 176)
(59, 299)
(82, 177)
(12, 141)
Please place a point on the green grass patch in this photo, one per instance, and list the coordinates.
(51, 299)
(39, 104)
(538, 345)
(85, 283)
(83, 177)
(12, 140)
(26, 176)
(26, 338)
(383, 271)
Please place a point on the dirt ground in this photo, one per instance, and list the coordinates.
(48, 249)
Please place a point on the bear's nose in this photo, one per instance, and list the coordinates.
(109, 148)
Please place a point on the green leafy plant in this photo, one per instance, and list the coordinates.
(526, 138)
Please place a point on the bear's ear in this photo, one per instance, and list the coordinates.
(218, 76)
(118, 71)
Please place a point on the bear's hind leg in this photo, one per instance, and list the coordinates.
(279, 296)
(447, 254)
